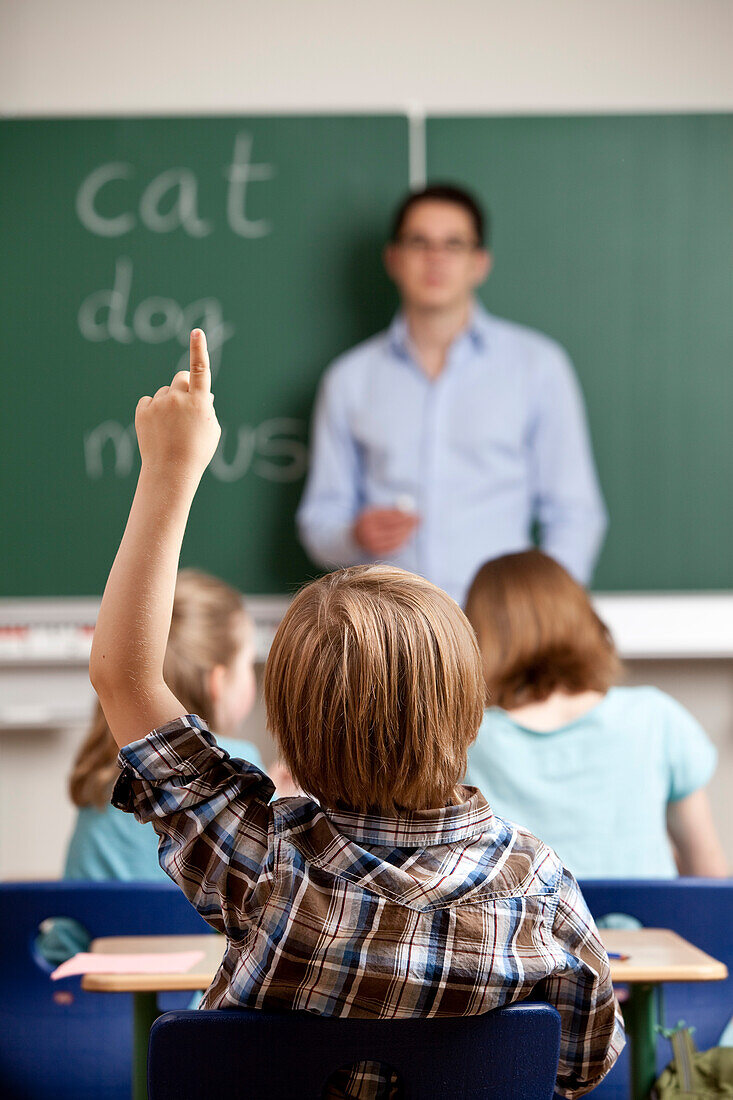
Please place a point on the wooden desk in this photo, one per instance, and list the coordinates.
(655, 956)
(200, 976)
(658, 955)
(146, 987)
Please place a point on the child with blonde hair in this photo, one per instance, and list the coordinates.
(209, 666)
(389, 890)
(613, 778)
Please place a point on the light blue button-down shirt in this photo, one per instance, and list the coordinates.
(497, 441)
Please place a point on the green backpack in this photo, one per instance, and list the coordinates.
(692, 1075)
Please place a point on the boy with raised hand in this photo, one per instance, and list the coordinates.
(398, 893)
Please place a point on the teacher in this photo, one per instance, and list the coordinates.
(441, 442)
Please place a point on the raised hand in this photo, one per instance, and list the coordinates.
(178, 433)
(177, 429)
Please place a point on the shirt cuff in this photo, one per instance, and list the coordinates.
(333, 547)
(180, 750)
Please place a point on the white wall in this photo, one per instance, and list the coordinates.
(88, 56)
(175, 56)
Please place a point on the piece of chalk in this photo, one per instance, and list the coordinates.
(405, 503)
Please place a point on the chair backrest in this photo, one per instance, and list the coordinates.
(699, 909)
(56, 1041)
(509, 1054)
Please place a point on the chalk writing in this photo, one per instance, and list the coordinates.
(122, 447)
(169, 201)
(273, 450)
(183, 211)
(106, 206)
(240, 174)
(106, 315)
(87, 193)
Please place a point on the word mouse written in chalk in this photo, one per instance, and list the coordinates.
(274, 450)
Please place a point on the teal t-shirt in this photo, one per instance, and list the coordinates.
(596, 790)
(111, 844)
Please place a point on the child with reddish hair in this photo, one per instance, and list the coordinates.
(613, 778)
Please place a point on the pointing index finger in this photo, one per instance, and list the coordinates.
(200, 376)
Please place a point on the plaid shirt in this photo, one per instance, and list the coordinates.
(447, 912)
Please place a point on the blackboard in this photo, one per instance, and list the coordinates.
(615, 236)
(118, 235)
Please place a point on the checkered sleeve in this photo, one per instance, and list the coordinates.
(592, 1035)
(210, 812)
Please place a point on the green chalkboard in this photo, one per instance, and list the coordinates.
(615, 236)
(612, 234)
(117, 236)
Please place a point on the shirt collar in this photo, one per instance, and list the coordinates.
(418, 828)
(477, 331)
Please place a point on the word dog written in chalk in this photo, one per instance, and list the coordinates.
(107, 315)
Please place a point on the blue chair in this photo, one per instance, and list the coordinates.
(56, 1041)
(509, 1054)
(699, 909)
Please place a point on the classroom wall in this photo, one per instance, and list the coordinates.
(511, 56)
(524, 56)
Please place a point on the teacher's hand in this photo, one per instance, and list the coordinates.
(381, 531)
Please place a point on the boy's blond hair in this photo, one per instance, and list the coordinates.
(374, 690)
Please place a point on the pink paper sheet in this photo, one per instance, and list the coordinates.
(168, 962)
